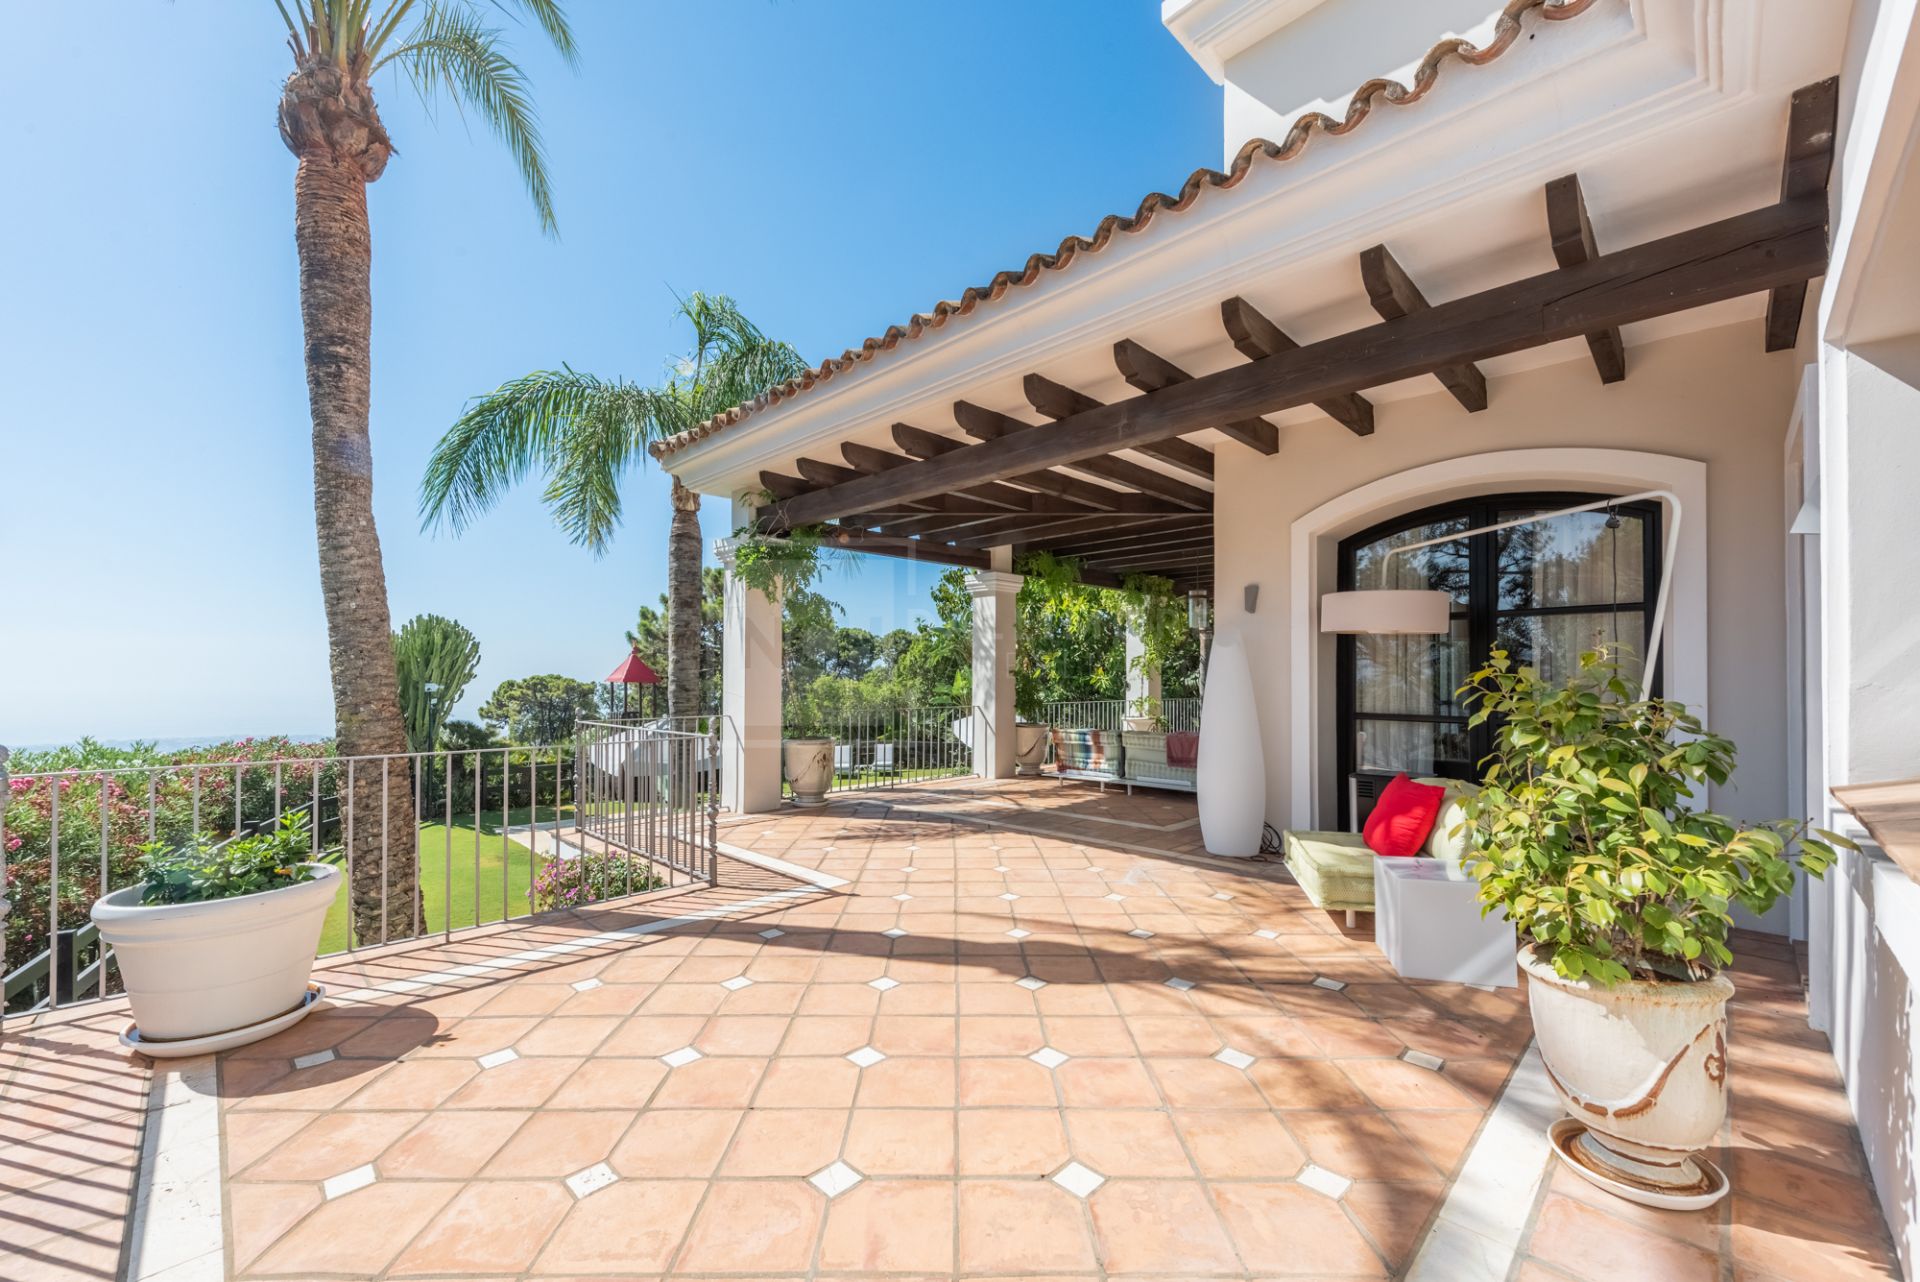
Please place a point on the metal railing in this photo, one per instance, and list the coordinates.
(893, 747)
(1112, 714)
(653, 791)
(429, 843)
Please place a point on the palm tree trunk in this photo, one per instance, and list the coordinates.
(336, 311)
(683, 604)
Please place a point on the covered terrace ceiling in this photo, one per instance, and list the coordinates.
(1085, 422)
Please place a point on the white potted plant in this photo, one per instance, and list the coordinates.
(1586, 834)
(215, 943)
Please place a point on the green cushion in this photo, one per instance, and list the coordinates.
(1335, 869)
(1448, 842)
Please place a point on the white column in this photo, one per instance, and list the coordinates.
(750, 665)
(1143, 683)
(993, 593)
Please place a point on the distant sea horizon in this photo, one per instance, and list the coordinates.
(176, 743)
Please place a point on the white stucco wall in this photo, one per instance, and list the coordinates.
(1714, 397)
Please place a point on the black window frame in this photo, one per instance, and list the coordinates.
(1483, 611)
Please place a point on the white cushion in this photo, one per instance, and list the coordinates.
(1449, 842)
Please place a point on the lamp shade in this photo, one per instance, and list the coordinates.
(1387, 611)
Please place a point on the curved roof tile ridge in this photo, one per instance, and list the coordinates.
(1378, 90)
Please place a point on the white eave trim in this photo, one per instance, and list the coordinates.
(1212, 31)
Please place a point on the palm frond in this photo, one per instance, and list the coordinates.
(499, 439)
(594, 454)
(550, 18)
(452, 52)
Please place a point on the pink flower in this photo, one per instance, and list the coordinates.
(14, 843)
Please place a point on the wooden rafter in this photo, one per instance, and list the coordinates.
(922, 444)
(1256, 338)
(1010, 434)
(1148, 372)
(1057, 402)
(1573, 244)
(1811, 125)
(1779, 244)
(1395, 296)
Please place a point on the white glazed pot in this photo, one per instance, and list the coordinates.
(808, 764)
(1030, 747)
(1643, 1066)
(1231, 779)
(194, 970)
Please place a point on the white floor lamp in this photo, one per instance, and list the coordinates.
(1429, 612)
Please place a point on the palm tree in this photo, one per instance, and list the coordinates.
(584, 433)
(328, 120)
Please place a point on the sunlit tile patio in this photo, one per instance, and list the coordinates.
(958, 1031)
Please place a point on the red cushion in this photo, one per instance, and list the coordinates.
(1402, 818)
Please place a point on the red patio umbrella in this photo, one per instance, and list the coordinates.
(633, 671)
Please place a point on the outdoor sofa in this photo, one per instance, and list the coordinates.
(1335, 869)
(1147, 758)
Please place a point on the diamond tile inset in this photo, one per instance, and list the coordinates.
(903, 896)
(1180, 984)
(1078, 1180)
(497, 1058)
(314, 1060)
(1266, 934)
(1009, 896)
(866, 1056)
(586, 985)
(347, 1181)
(1001, 868)
(1321, 1180)
(1222, 895)
(1139, 933)
(835, 1180)
(1420, 1059)
(883, 983)
(1234, 1058)
(1017, 933)
(591, 1180)
(737, 983)
(895, 933)
(685, 1055)
(1331, 985)
(1117, 898)
(772, 933)
(1047, 1057)
(1032, 983)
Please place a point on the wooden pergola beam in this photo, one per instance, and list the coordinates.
(868, 460)
(1057, 401)
(1010, 434)
(909, 549)
(1256, 338)
(1148, 372)
(1395, 296)
(1748, 253)
(922, 444)
(1573, 244)
(1812, 123)
(1127, 542)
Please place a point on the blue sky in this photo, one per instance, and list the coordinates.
(833, 164)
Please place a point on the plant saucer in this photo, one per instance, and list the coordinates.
(1565, 1134)
(211, 1043)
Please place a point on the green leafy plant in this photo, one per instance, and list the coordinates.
(1159, 618)
(1586, 835)
(203, 870)
(778, 564)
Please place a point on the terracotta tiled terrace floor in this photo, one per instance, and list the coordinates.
(1032, 1034)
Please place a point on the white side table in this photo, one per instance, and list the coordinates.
(1429, 926)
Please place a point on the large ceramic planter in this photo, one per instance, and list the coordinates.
(1030, 747)
(1641, 1067)
(236, 967)
(808, 765)
(1231, 778)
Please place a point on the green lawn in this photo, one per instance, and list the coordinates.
(519, 863)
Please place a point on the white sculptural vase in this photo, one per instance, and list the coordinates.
(1232, 776)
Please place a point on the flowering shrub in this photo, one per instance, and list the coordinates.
(591, 877)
